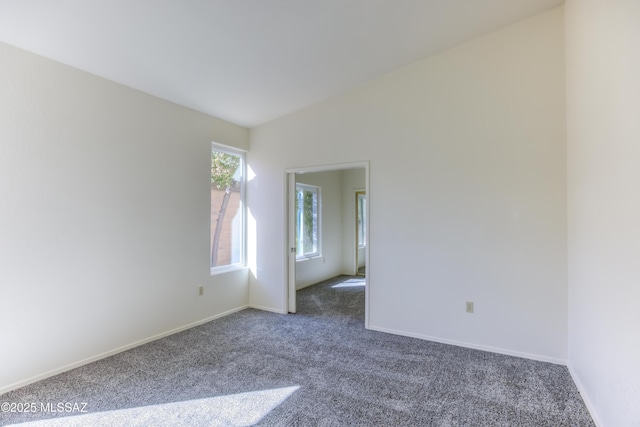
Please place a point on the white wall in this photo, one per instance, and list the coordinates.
(313, 270)
(603, 136)
(470, 145)
(352, 181)
(104, 217)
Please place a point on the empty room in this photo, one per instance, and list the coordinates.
(336, 212)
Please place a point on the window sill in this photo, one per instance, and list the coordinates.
(227, 269)
(309, 258)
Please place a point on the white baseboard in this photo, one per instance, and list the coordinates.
(537, 357)
(104, 355)
(305, 285)
(585, 397)
(270, 309)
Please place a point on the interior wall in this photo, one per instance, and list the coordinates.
(352, 181)
(603, 133)
(313, 270)
(104, 217)
(468, 177)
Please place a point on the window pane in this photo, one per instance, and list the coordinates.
(362, 220)
(227, 217)
(307, 220)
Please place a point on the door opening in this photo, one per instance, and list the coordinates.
(343, 243)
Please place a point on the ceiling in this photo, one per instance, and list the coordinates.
(249, 61)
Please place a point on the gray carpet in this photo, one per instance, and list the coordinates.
(319, 367)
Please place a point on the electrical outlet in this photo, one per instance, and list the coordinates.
(201, 290)
(469, 306)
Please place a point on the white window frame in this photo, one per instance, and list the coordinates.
(318, 251)
(242, 262)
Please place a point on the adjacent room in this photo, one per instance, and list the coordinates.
(418, 212)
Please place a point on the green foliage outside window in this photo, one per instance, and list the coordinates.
(223, 169)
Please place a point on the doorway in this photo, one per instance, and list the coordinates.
(354, 177)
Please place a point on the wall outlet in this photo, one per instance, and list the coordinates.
(201, 290)
(469, 306)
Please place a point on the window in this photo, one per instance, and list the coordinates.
(307, 221)
(362, 220)
(227, 208)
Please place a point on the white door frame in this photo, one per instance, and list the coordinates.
(291, 243)
(289, 287)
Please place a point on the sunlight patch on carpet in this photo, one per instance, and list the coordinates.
(242, 409)
(350, 283)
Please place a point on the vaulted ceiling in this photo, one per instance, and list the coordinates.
(249, 61)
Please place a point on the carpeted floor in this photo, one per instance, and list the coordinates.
(319, 367)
